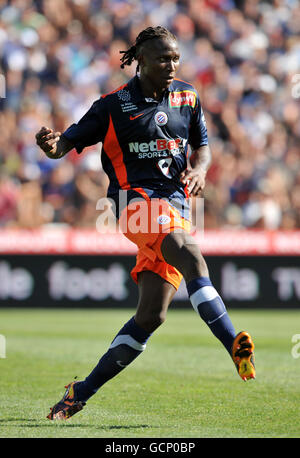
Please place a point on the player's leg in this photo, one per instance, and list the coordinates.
(155, 295)
(180, 250)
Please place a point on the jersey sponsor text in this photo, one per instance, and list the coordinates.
(160, 147)
(182, 98)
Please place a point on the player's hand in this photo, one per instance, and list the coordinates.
(195, 179)
(47, 140)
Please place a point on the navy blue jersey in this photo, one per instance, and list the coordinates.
(144, 141)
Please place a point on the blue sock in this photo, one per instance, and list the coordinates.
(207, 302)
(129, 343)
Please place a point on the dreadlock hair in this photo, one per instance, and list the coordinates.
(147, 34)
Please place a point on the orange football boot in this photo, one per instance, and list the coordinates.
(68, 406)
(243, 355)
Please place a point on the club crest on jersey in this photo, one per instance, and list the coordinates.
(182, 99)
(160, 118)
(163, 219)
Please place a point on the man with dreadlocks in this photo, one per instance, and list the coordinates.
(145, 128)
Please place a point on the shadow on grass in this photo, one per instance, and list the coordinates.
(7, 420)
(125, 427)
(27, 423)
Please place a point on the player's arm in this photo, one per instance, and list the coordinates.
(53, 143)
(194, 175)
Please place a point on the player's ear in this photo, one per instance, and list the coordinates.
(140, 60)
(140, 56)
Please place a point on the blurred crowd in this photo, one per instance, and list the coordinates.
(243, 57)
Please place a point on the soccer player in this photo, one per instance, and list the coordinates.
(145, 128)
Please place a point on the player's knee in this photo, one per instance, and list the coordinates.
(195, 266)
(181, 251)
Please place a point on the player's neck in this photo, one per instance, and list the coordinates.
(149, 90)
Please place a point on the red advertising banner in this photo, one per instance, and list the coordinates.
(91, 242)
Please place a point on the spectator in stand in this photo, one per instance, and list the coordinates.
(243, 56)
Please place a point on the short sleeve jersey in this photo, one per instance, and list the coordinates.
(144, 141)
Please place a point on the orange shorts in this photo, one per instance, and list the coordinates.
(146, 223)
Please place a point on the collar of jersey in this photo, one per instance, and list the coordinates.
(136, 91)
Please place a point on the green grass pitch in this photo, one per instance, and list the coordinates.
(184, 385)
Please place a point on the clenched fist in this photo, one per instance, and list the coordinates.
(47, 140)
(52, 143)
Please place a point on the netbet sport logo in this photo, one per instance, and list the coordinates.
(160, 147)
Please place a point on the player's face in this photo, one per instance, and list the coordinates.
(159, 62)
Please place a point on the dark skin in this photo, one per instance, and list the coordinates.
(158, 60)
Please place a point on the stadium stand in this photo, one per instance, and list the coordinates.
(58, 56)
